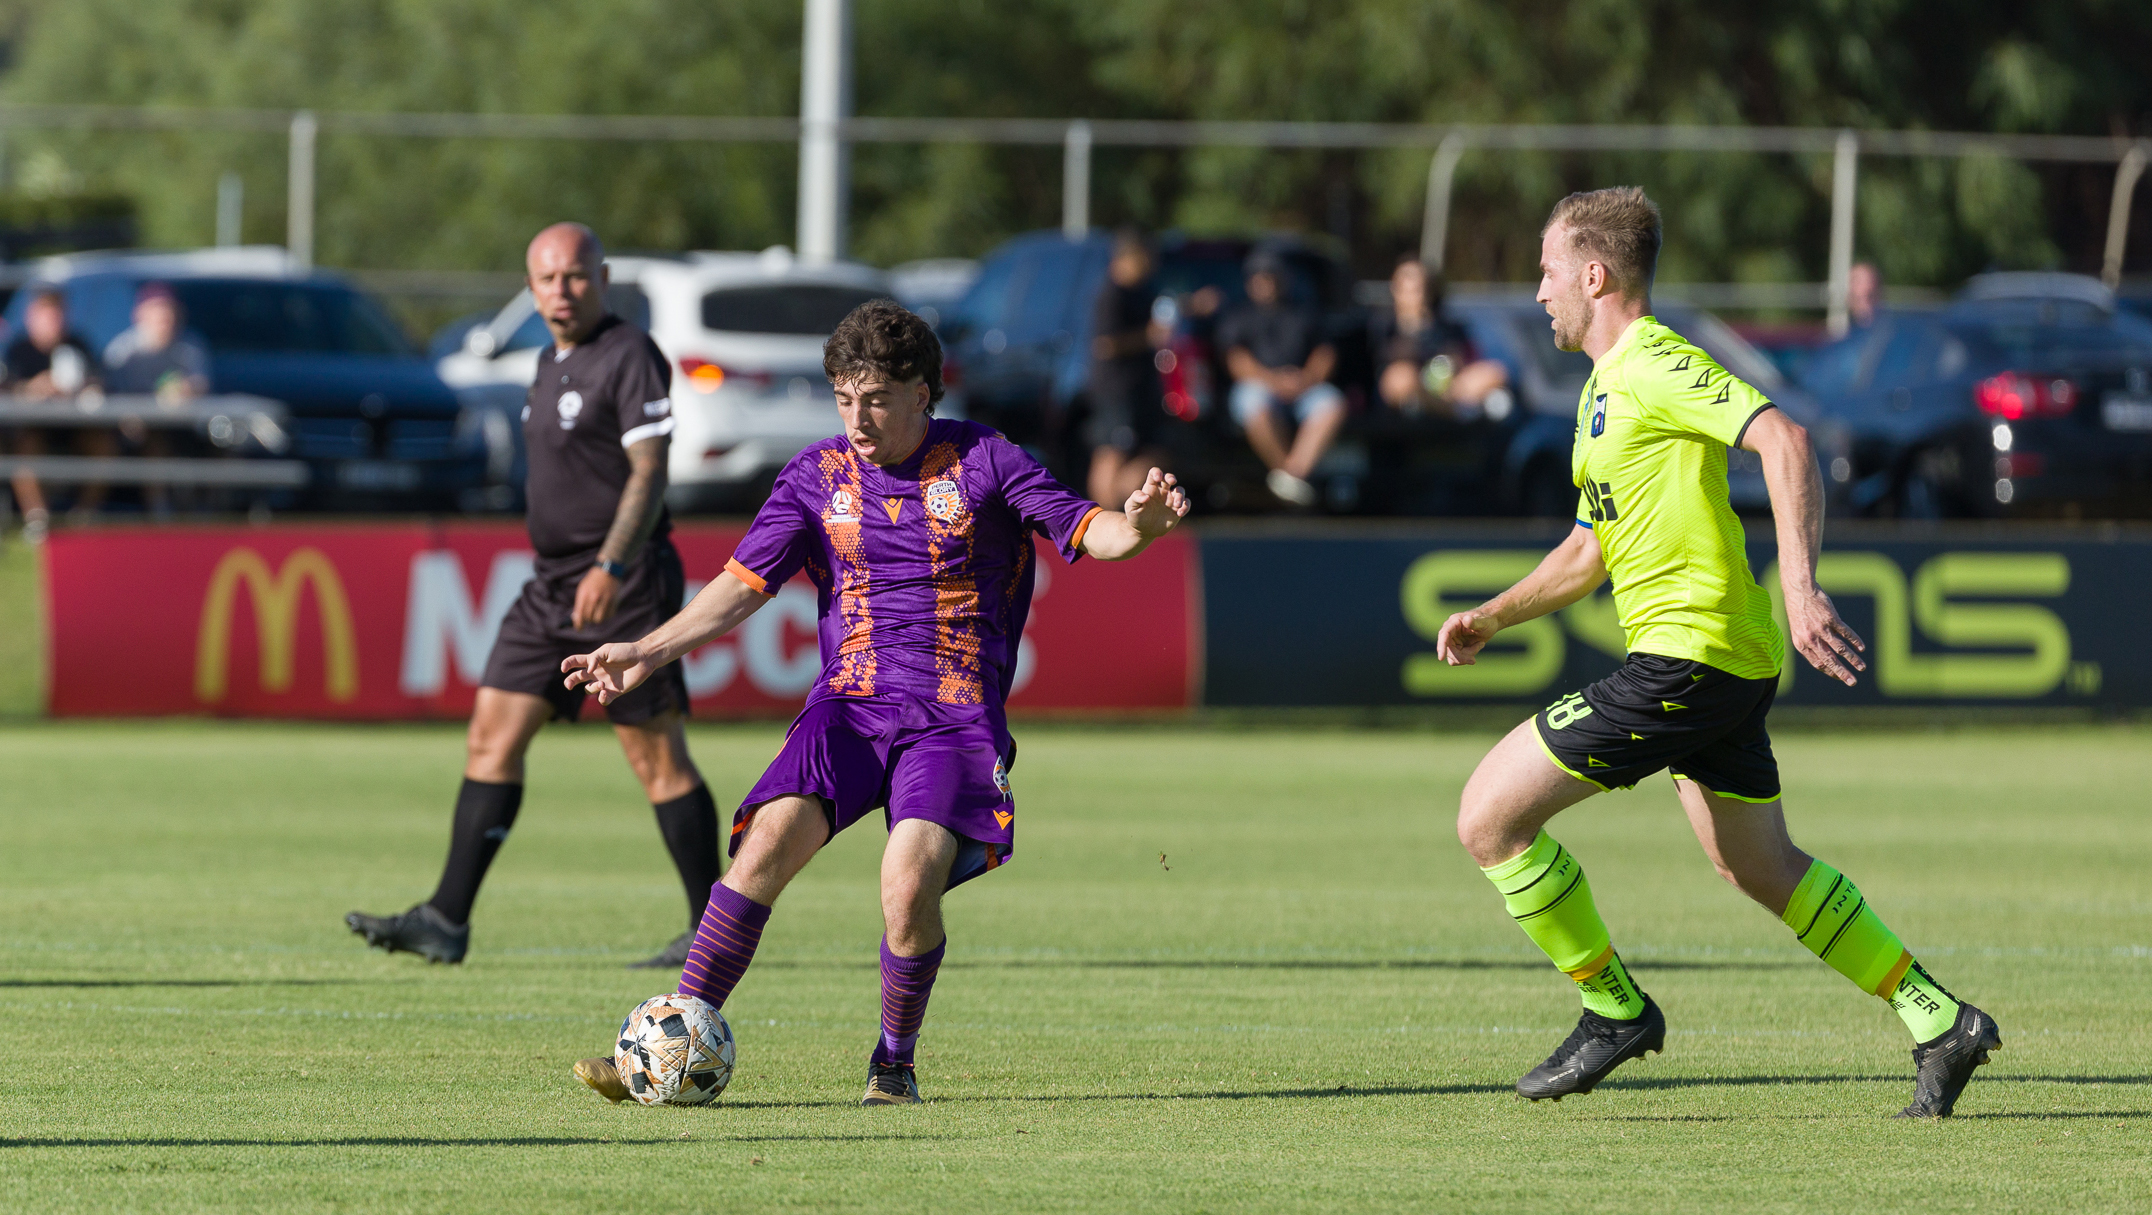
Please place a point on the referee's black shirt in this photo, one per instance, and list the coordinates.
(614, 388)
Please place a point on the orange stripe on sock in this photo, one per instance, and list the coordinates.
(1889, 986)
(1594, 966)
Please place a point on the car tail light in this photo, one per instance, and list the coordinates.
(706, 376)
(2013, 395)
(952, 373)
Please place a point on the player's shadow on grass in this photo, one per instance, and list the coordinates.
(409, 1141)
(1644, 1083)
(183, 982)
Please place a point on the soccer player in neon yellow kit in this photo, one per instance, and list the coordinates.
(1653, 429)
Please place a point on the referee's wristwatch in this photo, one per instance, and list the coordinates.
(616, 569)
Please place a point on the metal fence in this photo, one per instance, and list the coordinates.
(1447, 142)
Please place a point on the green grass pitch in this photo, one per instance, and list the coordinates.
(1226, 971)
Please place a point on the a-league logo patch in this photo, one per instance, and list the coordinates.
(1599, 415)
(943, 501)
(843, 507)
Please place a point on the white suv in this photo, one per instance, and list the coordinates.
(744, 332)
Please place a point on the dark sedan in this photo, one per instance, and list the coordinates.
(368, 414)
(2001, 404)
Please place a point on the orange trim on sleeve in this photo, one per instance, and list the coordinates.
(1076, 541)
(748, 576)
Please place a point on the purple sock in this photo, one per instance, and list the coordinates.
(906, 984)
(724, 944)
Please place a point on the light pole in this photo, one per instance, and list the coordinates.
(825, 102)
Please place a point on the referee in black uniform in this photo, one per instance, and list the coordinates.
(596, 426)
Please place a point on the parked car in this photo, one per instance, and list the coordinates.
(1534, 477)
(744, 332)
(378, 427)
(2030, 394)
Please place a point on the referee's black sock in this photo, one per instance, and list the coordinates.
(689, 825)
(484, 813)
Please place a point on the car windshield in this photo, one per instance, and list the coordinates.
(266, 316)
(806, 309)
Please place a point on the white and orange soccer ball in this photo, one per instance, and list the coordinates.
(674, 1050)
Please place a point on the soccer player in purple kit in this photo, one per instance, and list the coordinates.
(917, 532)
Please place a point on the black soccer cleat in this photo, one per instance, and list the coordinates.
(1942, 1065)
(891, 1084)
(672, 957)
(421, 930)
(1593, 1050)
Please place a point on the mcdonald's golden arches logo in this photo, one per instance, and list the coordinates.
(276, 623)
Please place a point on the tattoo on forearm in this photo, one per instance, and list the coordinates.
(641, 500)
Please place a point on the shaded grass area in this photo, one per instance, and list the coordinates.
(22, 630)
(1226, 971)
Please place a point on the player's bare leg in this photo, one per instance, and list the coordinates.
(915, 873)
(1501, 821)
(783, 834)
(686, 813)
(439, 929)
(1748, 844)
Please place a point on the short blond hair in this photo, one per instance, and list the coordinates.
(1617, 227)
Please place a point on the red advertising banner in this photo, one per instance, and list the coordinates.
(395, 622)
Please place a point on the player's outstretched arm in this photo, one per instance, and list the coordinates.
(611, 670)
(1150, 512)
(1573, 570)
(1789, 471)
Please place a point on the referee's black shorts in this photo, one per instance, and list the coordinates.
(536, 637)
(1704, 724)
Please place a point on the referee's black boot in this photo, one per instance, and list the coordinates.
(1945, 1063)
(1593, 1050)
(672, 957)
(421, 930)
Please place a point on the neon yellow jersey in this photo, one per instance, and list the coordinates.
(1652, 432)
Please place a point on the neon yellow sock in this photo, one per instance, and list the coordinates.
(1831, 918)
(1545, 891)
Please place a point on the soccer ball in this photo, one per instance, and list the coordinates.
(674, 1050)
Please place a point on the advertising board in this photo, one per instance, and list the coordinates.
(395, 621)
(1951, 616)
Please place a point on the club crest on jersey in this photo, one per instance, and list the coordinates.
(570, 408)
(843, 507)
(1599, 415)
(943, 501)
(1001, 780)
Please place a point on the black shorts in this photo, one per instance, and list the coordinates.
(1702, 723)
(1127, 410)
(536, 636)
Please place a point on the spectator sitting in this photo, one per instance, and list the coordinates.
(1864, 294)
(1126, 406)
(1281, 369)
(1426, 363)
(156, 358)
(45, 361)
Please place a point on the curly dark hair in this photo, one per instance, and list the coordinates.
(884, 338)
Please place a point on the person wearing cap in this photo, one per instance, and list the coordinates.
(154, 357)
(1281, 365)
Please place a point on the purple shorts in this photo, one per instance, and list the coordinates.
(947, 764)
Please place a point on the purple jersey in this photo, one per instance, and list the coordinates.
(924, 568)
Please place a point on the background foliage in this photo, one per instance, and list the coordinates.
(2067, 66)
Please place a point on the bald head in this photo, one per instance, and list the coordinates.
(566, 269)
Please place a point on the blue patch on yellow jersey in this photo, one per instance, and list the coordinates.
(1599, 415)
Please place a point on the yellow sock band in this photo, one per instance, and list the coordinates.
(1545, 891)
(1833, 920)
